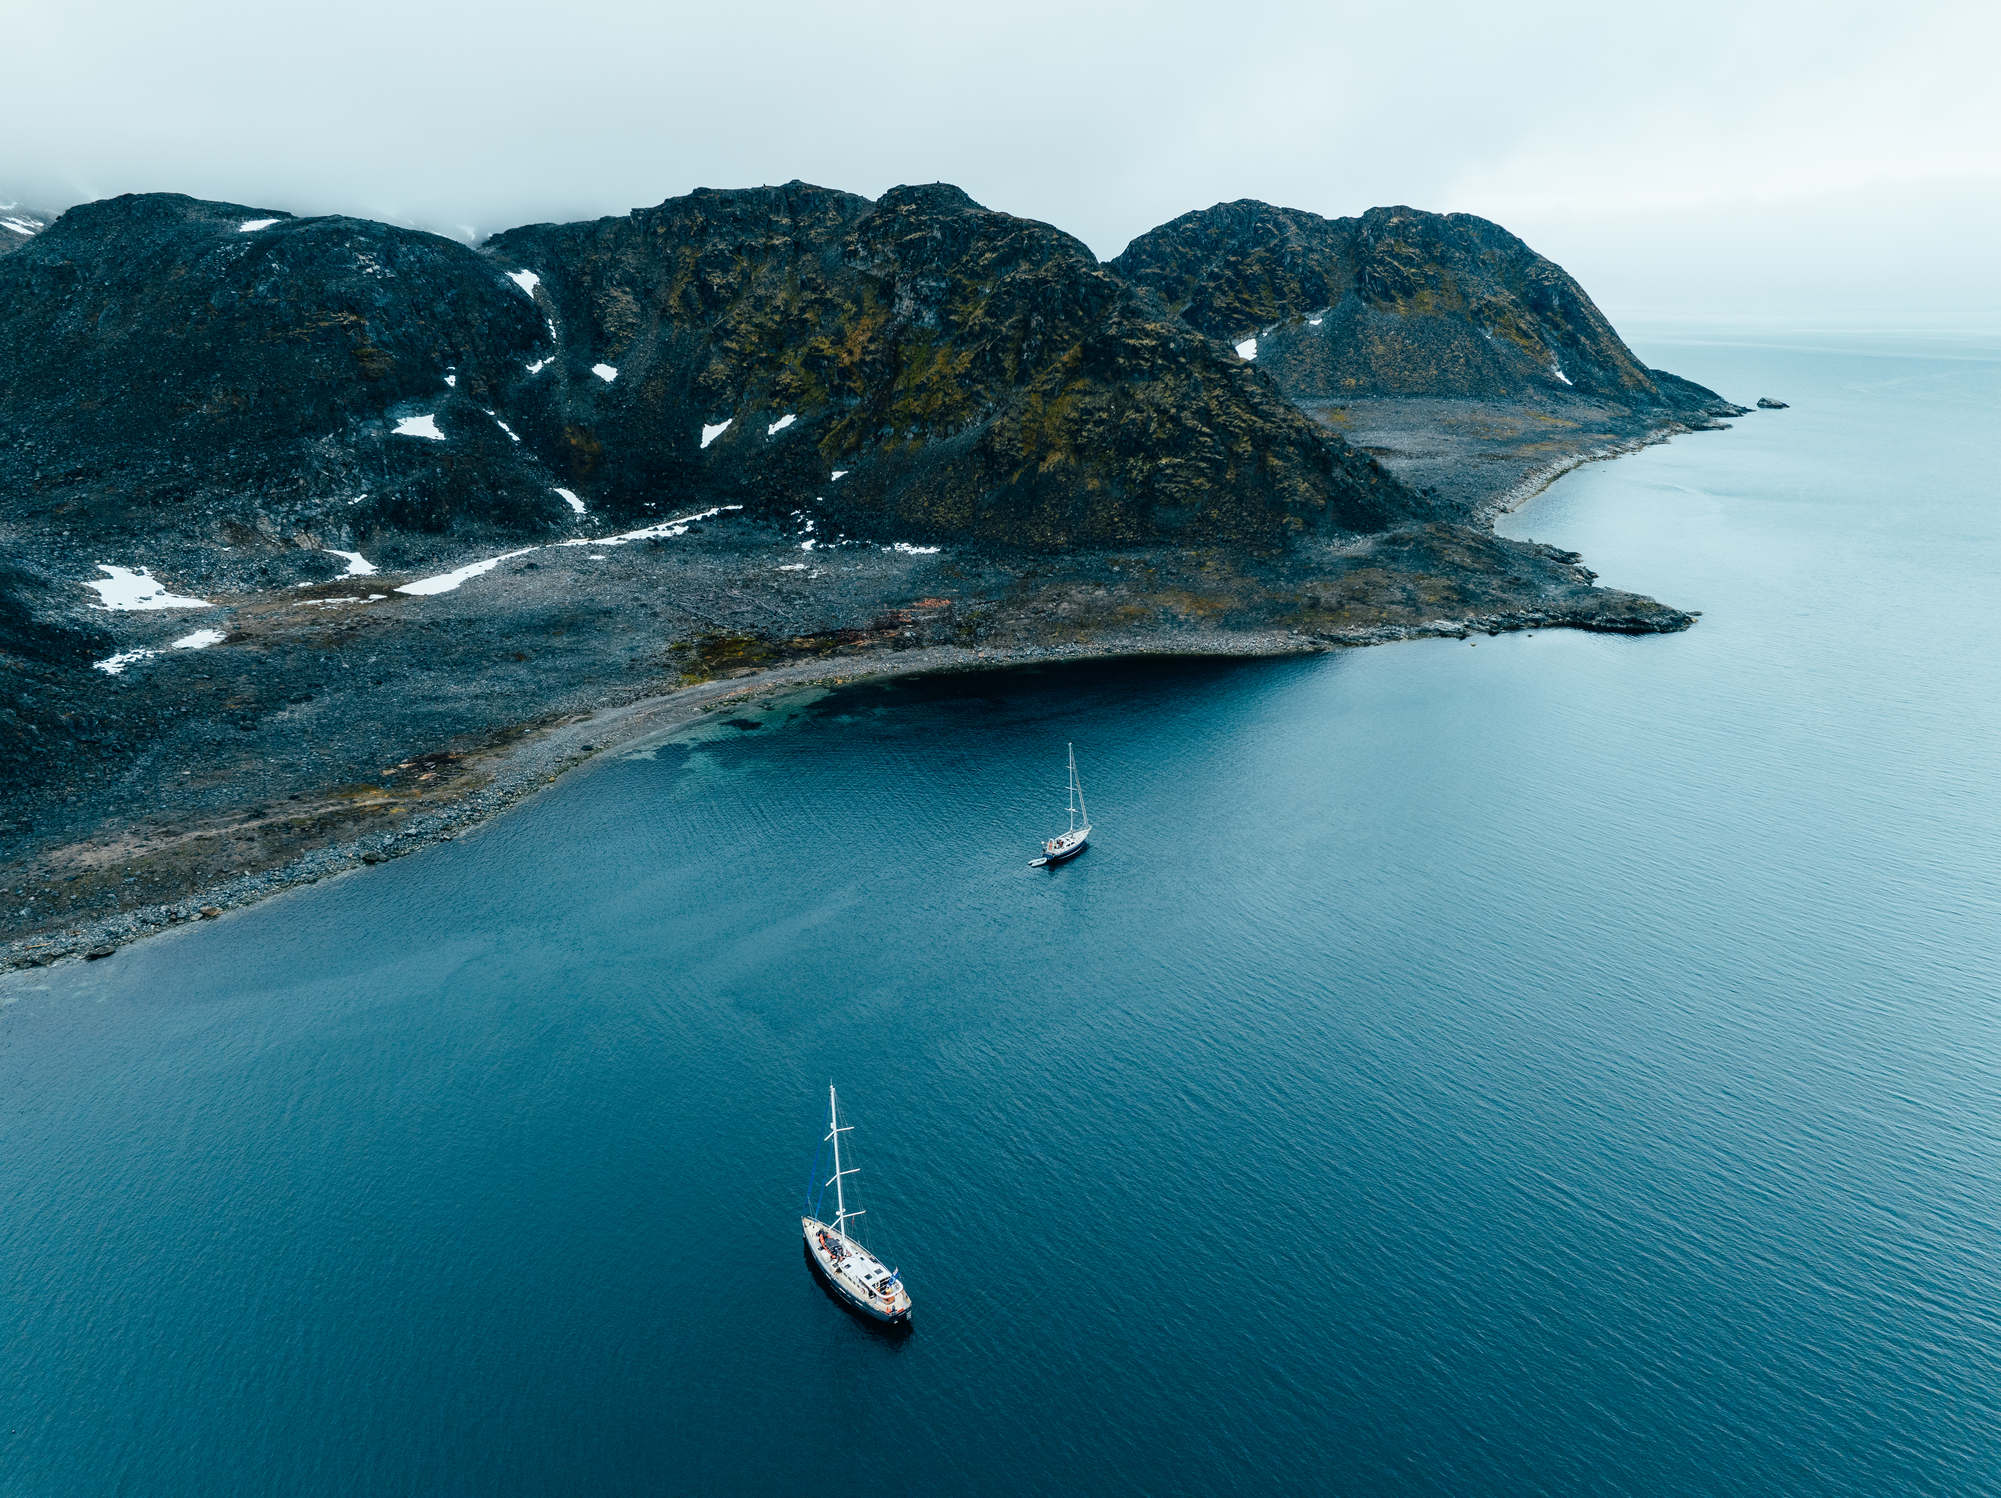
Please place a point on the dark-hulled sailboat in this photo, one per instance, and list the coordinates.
(1068, 844)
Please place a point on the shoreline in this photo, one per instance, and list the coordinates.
(535, 754)
(536, 761)
(1538, 481)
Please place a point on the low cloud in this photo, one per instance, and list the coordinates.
(1745, 137)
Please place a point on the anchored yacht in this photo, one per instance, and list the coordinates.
(1068, 844)
(850, 1270)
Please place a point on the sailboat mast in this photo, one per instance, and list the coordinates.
(1077, 784)
(1073, 788)
(834, 1132)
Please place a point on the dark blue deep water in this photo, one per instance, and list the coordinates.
(1561, 1064)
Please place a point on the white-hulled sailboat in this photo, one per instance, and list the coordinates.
(1068, 844)
(851, 1271)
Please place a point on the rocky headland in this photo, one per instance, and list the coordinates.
(1440, 344)
(320, 537)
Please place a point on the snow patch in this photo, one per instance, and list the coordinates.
(572, 501)
(446, 582)
(675, 527)
(1248, 349)
(605, 372)
(126, 588)
(838, 475)
(780, 425)
(1313, 322)
(710, 433)
(452, 380)
(504, 427)
(112, 665)
(792, 567)
(21, 225)
(913, 551)
(357, 564)
(252, 225)
(539, 365)
(419, 426)
(1557, 370)
(527, 280)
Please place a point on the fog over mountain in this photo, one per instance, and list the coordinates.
(1823, 163)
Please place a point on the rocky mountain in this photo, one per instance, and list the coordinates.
(970, 374)
(1468, 365)
(246, 389)
(243, 390)
(224, 385)
(1397, 302)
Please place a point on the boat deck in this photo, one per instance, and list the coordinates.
(855, 1272)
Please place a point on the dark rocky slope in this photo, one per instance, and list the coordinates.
(233, 395)
(224, 396)
(973, 375)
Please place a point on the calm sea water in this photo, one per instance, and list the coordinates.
(1557, 1064)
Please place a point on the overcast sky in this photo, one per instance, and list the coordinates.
(1823, 164)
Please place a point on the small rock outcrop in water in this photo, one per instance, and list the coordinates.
(1766, 403)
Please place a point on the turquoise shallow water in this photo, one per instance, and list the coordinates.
(1558, 1064)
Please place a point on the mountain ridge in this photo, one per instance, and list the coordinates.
(973, 374)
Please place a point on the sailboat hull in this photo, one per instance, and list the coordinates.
(1065, 846)
(892, 1309)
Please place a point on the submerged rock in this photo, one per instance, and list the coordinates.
(1766, 403)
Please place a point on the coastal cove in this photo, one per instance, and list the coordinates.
(1544, 1062)
(249, 641)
